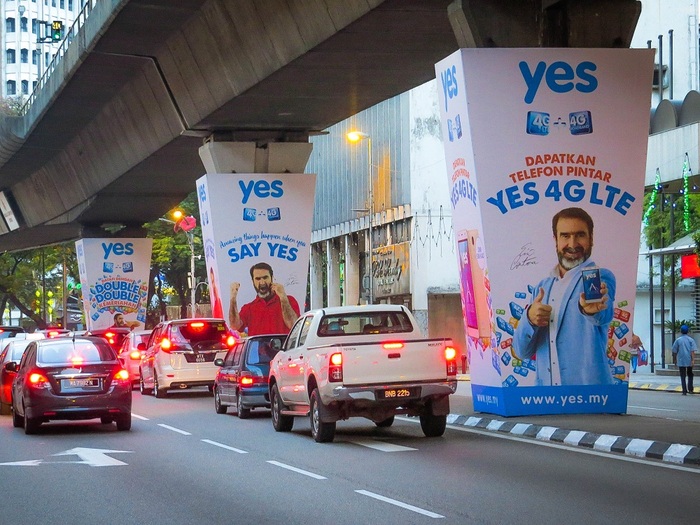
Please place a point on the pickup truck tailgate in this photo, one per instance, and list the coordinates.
(373, 363)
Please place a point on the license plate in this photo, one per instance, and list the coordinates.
(398, 393)
(90, 382)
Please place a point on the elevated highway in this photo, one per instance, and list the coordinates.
(111, 137)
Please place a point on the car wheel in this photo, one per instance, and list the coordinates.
(5, 409)
(280, 422)
(142, 387)
(157, 390)
(31, 424)
(243, 413)
(220, 409)
(433, 426)
(384, 423)
(321, 432)
(124, 422)
(106, 420)
(17, 420)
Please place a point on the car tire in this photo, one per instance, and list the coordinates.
(159, 392)
(218, 406)
(5, 409)
(385, 423)
(321, 432)
(124, 422)
(243, 413)
(31, 424)
(142, 387)
(280, 422)
(17, 420)
(433, 426)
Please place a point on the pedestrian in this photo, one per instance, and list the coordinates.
(684, 349)
(635, 347)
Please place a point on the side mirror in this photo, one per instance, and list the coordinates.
(11, 366)
(141, 346)
(219, 362)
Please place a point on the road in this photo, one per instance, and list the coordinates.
(183, 464)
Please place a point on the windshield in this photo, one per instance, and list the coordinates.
(365, 323)
(78, 352)
(262, 351)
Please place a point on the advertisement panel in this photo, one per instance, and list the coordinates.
(256, 230)
(546, 154)
(114, 276)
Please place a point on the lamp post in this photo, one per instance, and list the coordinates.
(357, 136)
(186, 224)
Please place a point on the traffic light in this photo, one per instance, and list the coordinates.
(56, 31)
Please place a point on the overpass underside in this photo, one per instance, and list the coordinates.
(112, 139)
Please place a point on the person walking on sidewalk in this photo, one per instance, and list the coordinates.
(635, 346)
(684, 349)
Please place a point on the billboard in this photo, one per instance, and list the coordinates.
(114, 277)
(546, 155)
(256, 230)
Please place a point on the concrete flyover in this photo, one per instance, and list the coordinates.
(111, 138)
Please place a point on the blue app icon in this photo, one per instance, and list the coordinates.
(580, 123)
(249, 214)
(127, 267)
(273, 214)
(537, 123)
(108, 267)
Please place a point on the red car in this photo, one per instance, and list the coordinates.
(11, 353)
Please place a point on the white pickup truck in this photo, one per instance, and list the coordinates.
(366, 361)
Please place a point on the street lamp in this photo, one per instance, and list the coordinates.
(357, 136)
(186, 224)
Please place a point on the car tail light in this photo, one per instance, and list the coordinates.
(396, 345)
(166, 345)
(38, 380)
(76, 360)
(122, 377)
(451, 359)
(248, 379)
(230, 341)
(335, 368)
(111, 337)
(135, 355)
(53, 333)
(196, 326)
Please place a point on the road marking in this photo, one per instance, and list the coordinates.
(95, 457)
(297, 470)
(28, 463)
(383, 447)
(400, 504)
(142, 418)
(183, 432)
(652, 408)
(221, 445)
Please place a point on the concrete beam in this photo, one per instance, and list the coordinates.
(544, 23)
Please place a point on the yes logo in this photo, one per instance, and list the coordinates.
(118, 248)
(261, 189)
(560, 77)
(201, 190)
(449, 83)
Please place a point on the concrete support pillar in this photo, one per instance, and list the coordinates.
(351, 290)
(544, 23)
(316, 276)
(332, 273)
(251, 157)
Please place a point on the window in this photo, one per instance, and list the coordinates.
(10, 56)
(10, 25)
(25, 87)
(35, 26)
(70, 5)
(24, 56)
(35, 57)
(23, 24)
(62, 4)
(11, 87)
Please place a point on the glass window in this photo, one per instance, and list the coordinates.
(365, 323)
(305, 330)
(291, 341)
(24, 56)
(62, 4)
(10, 56)
(11, 87)
(35, 56)
(10, 25)
(34, 25)
(23, 24)
(70, 352)
(199, 331)
(25, 87)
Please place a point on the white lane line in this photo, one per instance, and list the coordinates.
(652, 408)
(183, 432)
(297, 470)
(400, 504)
(142, 418)
(383, 447)
(221, 445)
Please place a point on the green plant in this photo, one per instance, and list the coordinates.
(676, 327)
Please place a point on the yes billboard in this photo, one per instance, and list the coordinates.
(256, 230)
(114, 276)
(546, 154)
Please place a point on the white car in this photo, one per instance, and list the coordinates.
(132, 349)
(180, 354)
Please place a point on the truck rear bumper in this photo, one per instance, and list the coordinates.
(369, 392)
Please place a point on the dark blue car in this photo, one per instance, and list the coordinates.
(241, 381)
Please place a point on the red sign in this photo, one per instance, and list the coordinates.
(689, 266)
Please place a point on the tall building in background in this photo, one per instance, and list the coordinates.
(31, 32)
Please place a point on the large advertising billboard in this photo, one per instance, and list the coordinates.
(256, 230)
(546, 154)
(114, 276)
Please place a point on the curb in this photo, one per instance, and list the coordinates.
(642, 448)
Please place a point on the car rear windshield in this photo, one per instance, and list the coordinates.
(198, 332)
(365, 323)
(78, 352)
(261, 351)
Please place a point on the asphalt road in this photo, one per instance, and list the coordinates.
(183, 464)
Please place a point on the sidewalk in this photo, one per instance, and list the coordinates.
(674, 441)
